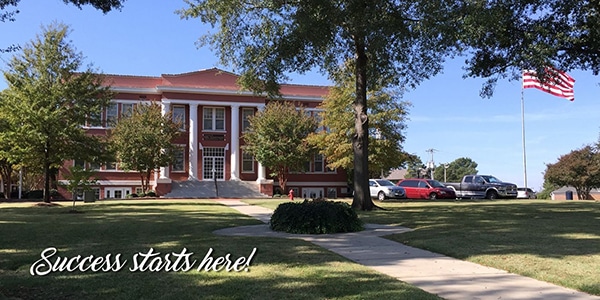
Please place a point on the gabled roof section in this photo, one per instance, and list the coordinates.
(130, 81)
(210, 79)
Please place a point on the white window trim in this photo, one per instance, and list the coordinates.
(184, 121)
(214, 119)
(182, 147)
(244, 117)
(253, 163)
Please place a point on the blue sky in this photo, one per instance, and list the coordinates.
(148, 38)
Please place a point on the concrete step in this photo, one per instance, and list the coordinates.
(206, 189)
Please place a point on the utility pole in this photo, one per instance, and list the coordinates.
(431, 163)
(445, 167)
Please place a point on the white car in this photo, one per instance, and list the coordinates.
(383, 189)
(525, 193)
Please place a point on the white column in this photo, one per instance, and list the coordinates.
(164, 171)
(193, 153)
(235, 142)
(261, 173)
(261, 168)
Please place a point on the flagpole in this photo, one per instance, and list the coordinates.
(523, 135)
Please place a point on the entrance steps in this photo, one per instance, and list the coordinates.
(206, 189)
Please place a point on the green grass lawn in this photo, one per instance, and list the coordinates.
(553, 241)
(281, 268)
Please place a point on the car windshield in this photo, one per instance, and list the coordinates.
(492, 179)
(435, 184)
(384, 182)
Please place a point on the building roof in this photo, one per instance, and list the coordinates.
(564, 189)
(397, 174)
(209, 79)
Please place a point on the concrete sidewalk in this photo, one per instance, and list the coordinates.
(435, 273)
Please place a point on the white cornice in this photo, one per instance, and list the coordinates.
(161, 89)
(130, 90)
(231, 93)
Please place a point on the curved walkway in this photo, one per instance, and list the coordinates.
(447, 277)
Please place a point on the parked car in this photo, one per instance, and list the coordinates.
(417, 188)
(525, 193)
(383, 189)
(483, 186)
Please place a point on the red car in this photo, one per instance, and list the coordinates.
(417, 188)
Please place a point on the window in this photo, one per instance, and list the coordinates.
(318, 116)
(138, 190)
(246, 113)
(319, 162)
(95, 120)
(179, 163)
(112, 112)
(110, 166)
(214, 118)
(179, 116)
(247, 162)
(94, 166)
(126, 109)
(79, 163)
(331, 193)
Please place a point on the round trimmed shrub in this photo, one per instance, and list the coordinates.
(315, 217)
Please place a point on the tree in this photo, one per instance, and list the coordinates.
(277, 138)
(580, 169)
(10, 15)
(6, 165)
(457, 169)
(547, 190)
(142, 141)
(387, 43)
(387, 114)
(415, 168)
(48, 100)
(79, 180)
(509, 37)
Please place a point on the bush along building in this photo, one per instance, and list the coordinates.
(213, 112)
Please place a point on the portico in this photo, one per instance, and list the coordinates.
(206, 144)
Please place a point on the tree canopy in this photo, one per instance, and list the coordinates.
(396, 43)
(580, 169)
(47, 101)
(277, 138)
(142, 141)
(388, 116)
(456, 169)
(382, 43)
(506, 37)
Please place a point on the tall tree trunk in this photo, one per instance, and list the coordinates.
(6, 178)
(47, 182)
(281, 176)
(360, 142)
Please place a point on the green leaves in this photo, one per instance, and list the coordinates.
(580, 169)
(143, 141)
(277, 138)
(387, 115)
(48, 100)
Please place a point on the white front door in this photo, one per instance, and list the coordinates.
(213, 163)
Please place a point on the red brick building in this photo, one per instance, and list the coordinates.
(214, 112)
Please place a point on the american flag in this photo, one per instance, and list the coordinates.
(558, 83)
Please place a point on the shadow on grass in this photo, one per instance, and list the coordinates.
(549, 229)
(282, 268)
